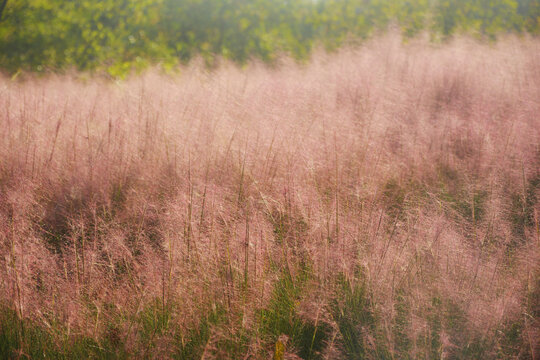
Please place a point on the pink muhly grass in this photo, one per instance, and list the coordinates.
(177, 196)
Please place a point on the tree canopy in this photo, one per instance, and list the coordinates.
(120, 35)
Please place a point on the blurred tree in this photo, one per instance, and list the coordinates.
(529, 12)
(118, 36)
(2, 7)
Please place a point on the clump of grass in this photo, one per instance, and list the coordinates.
(281, 317)
(24, 338)
(192, 344)
(432, 344)
(401, 326)
(522, 207)
(356, 321)
(468, 203)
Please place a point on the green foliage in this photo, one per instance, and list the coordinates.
(472, 209)
(486, 17)
(468, 203)
(121, 36)
(528, 12)
(435, 327)
(154, 320)
(354, 316)
(522, 206)
(287, 227)
(398, 197)
(394, 197)
(446, 317)
(401, 326)
(24, 338)
(193, 342)
(281, 317)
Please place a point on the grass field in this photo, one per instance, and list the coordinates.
(378, 203)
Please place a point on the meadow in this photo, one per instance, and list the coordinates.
(381, 202)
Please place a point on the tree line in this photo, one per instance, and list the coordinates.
(121, 35)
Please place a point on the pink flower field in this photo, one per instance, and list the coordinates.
(382, 202)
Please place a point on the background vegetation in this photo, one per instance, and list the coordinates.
(117, 36)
